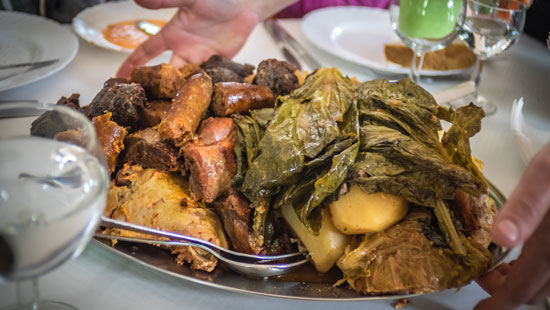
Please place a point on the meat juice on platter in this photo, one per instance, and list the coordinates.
(42, 224)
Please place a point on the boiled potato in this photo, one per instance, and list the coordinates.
(358, 212)
(325, 248)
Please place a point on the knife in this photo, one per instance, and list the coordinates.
(287, 43)
(33, 65)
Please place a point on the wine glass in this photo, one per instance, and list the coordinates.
(425, 26)
(53, 188)
(490, 28)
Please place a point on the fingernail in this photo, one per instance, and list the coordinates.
(509, 230)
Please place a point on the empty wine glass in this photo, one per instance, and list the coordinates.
(53, 188)
(491, 27)
(426, 25)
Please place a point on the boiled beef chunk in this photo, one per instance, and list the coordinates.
(210, 159)
(124, 101)
(111, 137)
(146, 149)
(234, 212)
(221, 69)
(277, 75)
(50, 123)
(159, 82)
(153, 112)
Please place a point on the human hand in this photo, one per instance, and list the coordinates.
(200, 29)
(524, 218)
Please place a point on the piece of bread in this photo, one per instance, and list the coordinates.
(454, 57)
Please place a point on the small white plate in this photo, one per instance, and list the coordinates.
(29, 38)
(358, 35)
(90, 23)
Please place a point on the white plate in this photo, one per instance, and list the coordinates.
(30, 38)
(89, 23)
(358, 35)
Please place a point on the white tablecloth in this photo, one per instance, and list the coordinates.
(100, 279)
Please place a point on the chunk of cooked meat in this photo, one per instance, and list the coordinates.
(115, 81)
(218, 61)
(221, 74)
(50, 123)
(234, 212)
(277, 75)
(159, 199)
(210, 159)
(476, 215)
(72, 102)
(145, 148)
(125, 101)
(231, 97)
(153, 112)
(111, 137)
(159, 82)
(187, 110)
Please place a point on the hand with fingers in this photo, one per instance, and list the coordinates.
(524, 219)
(200, 29)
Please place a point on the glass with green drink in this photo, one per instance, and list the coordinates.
(426, 25)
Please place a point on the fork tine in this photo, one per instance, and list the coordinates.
(111, 223)
(258, 268)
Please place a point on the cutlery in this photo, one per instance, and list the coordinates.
(248, 264)
(17, 112)
(459, 91)
(147, 27)
(284, 39)
(33, 65)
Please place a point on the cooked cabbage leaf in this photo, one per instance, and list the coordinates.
(308, 146)
(401, 260)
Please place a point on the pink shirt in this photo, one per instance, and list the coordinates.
(300, 8)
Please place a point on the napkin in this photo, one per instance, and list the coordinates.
(529, 139)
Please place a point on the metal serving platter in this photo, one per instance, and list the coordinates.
(296, 285)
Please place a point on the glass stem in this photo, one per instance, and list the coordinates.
(476, 75)
(416, 68)
(27, 294)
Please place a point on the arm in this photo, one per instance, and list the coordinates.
(524, 219)
(200, 29)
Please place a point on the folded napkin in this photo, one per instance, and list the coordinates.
(529, 139)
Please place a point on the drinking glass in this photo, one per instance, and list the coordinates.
(53, 188)
(426, 25)
(490, 28)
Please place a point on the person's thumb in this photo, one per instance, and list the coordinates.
(528, 204)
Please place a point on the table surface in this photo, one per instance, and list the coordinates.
(100, 279)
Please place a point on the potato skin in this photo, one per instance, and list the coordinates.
(358, 212)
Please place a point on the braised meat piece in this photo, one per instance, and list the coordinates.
(187, 110)
(72, 102)
(160, 200)
(153, 113)
(50, 123)
(232, 97)
(221, 69)
(146, 149)
(476, 214)
(124, 101)
(159, 82)
(210, 159)
(277, 75)
(115, 81)
(234, 212)
(111, 136)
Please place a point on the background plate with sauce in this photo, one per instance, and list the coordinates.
(90, 23)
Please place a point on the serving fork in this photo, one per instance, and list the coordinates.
(247, 264)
